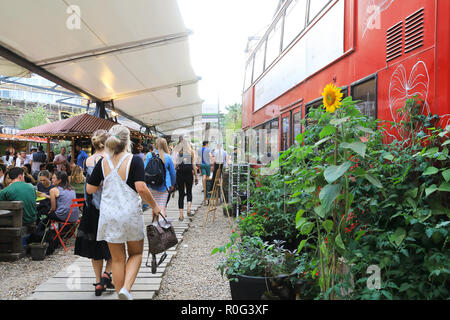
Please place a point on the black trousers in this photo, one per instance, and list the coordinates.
(185, 179)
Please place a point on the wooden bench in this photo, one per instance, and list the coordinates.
(11, 231)
(11, 213)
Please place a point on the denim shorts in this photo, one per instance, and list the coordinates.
(205, 169)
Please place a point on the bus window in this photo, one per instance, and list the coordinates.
(366, 91)
(315, 6)
(297, 126)
(273, 43)
(294, 21)
(259, 61)
(285, 126)
(248, 75)
(312, 105)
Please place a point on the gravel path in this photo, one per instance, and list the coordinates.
(191, 274)
(19, 278)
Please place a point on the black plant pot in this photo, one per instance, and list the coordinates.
(38, 250)
(261, 288)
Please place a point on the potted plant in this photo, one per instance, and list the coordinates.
(261, 270)
(39, 249)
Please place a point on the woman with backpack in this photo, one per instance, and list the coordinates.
(121, 222)
(161, 186)
(186, 172)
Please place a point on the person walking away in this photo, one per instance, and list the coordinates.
(204, 155)
(19, 190)
(161, 194)
(186, 172)
(82, 155)
(37, 159)
(121, 223)
(220, 160)
(86, 244)
(60, 159)
(77, 181)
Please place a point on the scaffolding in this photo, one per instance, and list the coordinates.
(239, 174)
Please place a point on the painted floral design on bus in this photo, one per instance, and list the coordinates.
(403, 86)
(374, 10)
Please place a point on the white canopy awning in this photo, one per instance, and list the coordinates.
(135, 53)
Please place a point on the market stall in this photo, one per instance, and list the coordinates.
(78, 129)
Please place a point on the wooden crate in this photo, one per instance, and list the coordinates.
(11, 214)
(11, 243)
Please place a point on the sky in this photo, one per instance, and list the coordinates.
(217, 46)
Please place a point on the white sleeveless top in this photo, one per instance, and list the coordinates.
(121, 217)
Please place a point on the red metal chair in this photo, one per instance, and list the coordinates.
(76, 203)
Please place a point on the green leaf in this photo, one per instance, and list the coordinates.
(318, 143)
(327, 130)
(339, 242)
(301, 245)
(328, 225)
(412, 193)
(320, 211)
(373, 180)
(357, 146)
(328, 194)
(306, 228)
(430, 170)
(388, 156)
(332, 173)
(364, 129)
(446, 175)
(430, 190)
(299, 220)
(445, 187)
(336, 122)
(431, 151)
(398, 236)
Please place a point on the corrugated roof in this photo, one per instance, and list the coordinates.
(83, 124)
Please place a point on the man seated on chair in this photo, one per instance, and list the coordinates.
(19, 190)
(61, 197)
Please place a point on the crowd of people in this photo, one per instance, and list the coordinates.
(113, 182)
(45, 183)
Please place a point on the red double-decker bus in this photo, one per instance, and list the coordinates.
(381, 52)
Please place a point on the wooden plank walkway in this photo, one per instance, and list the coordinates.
(75, 281)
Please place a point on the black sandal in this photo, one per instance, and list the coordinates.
(99, 291)
(107, 280)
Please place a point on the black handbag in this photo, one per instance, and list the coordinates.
(160, 239)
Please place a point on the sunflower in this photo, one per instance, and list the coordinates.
(332, 97)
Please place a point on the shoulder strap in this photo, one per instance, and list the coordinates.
(111, 166)
(203, 150)
(120, 161)
(128, 168)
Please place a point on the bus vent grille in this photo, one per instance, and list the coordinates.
(414, 31)
(394, 39)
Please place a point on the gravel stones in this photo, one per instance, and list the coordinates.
(191, 274)
(19, 278)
